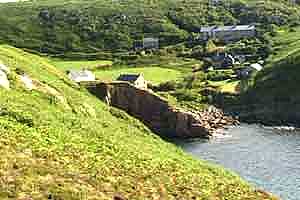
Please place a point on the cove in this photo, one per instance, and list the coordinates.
(267, 158)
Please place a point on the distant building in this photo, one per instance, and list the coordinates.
(138, 45)
(293, 1)
(256, 66)
(215, 2)
(146, 44)
(240, 59)
(249, 70)
(136, 79)
(221, 60)
(150, 43)
(227, 33)
(81, 76)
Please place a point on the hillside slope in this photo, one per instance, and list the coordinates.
(274, 98)
(59, 142)
(91, 26)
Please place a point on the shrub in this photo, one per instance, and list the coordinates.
(219, 75)
(167, 86)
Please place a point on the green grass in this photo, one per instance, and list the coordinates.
(155, 75)
(92, 65)
(82, 149)
(227, 86)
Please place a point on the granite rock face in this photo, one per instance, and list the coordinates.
(158, 114)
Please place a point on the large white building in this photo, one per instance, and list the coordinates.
(227, 33)
(150, 43)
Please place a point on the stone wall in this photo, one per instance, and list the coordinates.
(154, 111)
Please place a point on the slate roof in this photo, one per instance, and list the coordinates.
(150, 39)
(227, 28)
(128, 77)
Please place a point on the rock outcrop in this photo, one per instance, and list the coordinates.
(158, 114)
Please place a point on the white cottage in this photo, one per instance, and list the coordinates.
(136, 79)
(81, 76)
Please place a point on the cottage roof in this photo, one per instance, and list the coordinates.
(128, 77)
(227, 28)
(149, 39)
(218, 57)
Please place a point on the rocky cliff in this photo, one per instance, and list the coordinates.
(157, 113)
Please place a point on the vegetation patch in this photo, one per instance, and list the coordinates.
(154, 75)
(91, 65)
(63, 27)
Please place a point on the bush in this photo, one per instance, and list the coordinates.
(167, 86)
(219, 75)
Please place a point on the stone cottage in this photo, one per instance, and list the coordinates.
(136, 79)
(220, 60)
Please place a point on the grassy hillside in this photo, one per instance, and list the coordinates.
(274, 96)
(68, 145)
(55, 26)
(91, 65)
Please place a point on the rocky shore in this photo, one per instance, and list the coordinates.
(214, 120)
(163, 118)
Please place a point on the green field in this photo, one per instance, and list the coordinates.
(69, 145)
(155, 75)
(92, 65)
(227, 86)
